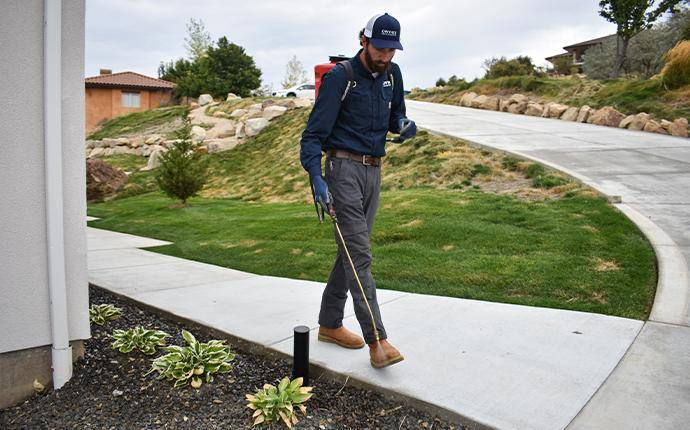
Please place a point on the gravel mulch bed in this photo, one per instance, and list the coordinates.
(108, 391)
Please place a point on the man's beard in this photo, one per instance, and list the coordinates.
(376, 67)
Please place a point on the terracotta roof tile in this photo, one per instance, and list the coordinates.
(127, 79)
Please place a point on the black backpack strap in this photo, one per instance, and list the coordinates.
(351, 83)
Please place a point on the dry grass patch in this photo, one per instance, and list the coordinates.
(601, 265)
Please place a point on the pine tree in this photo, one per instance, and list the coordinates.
(182, 173)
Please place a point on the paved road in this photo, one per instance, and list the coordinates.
(650, 388)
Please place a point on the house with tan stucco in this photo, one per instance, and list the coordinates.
(113, 94)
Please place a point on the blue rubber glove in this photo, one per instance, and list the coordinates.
(320, 191)
(408, 129)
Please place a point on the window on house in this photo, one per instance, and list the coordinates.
(130, 100)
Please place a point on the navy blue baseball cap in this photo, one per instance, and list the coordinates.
(383, 31)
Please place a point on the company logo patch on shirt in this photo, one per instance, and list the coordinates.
(386, 83)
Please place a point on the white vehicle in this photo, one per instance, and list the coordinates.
(304, 91)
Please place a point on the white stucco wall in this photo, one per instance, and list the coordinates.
(24, 299)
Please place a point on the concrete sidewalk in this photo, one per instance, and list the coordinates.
(496, 365)
(650, 173)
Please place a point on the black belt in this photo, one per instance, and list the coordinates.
(367, 160)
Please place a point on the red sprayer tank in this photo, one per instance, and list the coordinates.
(322, 69)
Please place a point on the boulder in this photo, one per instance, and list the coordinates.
(654, 127)
(137, 151)
(503, 105)
(467, 98)
(97, 152)
(584, 114)
(122, 141)
(107, 152)
(254, 108)
(232, 96)
(570, 114)
(205, 99)
(238, 113)
(154, 138)
(108, 142)
(639, 121)
(534, 109)
(118, 150)
(198, 133)
(288, 103)
(556, 110)
(222, 130)
(102, 179)
(268, 102)
(90, 144)
(300, 102)
(626, 121)
(136, 141)
(519, 98)
(679, 128)
(239, 130)
(545, 111)
(154, 159)
(220, 114)
(219, 145)
(607, 116)
(518, 108)
(271, 112)
(253, 126)
(490, 103)
(194, 105)
(478, 101)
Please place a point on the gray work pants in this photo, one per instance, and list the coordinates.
(355, 189)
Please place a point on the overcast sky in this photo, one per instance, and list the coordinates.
(440, 38)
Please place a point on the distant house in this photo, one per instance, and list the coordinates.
(113, 94)
(577, 50)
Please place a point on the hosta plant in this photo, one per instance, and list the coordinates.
(272, 404)
(146, 341)
(100, 314)
(194, 363)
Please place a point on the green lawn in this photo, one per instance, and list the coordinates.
(573, 253)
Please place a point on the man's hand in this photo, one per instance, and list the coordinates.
(408, 129)
(321, 194)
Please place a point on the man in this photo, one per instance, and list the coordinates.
(352, 132)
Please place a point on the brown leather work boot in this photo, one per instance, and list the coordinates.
(383, 354)
(340, 336)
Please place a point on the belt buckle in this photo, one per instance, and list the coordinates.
(364, 160)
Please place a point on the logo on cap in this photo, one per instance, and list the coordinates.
(385, 32)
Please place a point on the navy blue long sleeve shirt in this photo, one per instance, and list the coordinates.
(360, 123)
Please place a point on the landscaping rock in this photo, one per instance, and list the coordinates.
(253, 126)
(205, 99)
(639, 121)
(666, 124)
(232, 96)
(490, 103)
(238, 113)
(679, 127)
(219, 145)
(300, 102)
(102, 179)
(570, 114)
(503, 105)
(478, 101)
(90, 144)
(198, 133)
(519, 98)
(518, 108)
(254, 108)
(467, 98)
(222, 130)
(654, 127)
(194, 105)
(154, 138)
(545, 111)
(136, 141)
(220, 114)
(534, 109)
(607, 116)
(268, 102)
(107, 152)
(154, 159)
(584, 114)
(627, 121)
(239, 130)
(97, 152)
(118, 150)
(556, 110)
(271, 112)
(288, 103)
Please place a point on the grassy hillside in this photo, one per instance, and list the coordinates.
(162, 121)
(629, 96)
(267, 167)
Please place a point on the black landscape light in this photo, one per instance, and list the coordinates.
(300, 364)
